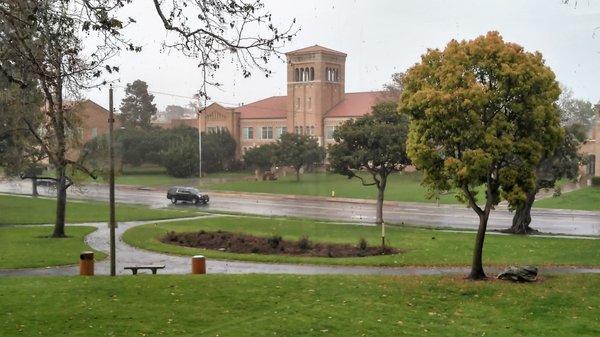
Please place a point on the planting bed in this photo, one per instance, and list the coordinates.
(274, 245)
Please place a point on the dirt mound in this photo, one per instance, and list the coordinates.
(275, 245)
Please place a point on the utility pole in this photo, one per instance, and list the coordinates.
(200, 137)
(112, 223)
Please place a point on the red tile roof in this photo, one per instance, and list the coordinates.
(315, 48)
(355, 104)
(272, 107)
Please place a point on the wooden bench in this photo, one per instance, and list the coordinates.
(134, 269)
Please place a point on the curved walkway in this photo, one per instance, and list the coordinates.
(128, 255)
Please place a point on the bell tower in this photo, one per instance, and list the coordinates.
(315, 84)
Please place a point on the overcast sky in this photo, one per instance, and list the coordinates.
(380, 38)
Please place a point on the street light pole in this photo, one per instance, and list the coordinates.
(199, 138)
(111, 155)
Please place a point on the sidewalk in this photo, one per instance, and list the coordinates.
(128, 256)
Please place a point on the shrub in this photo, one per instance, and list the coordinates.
(557, 192)
(304, 243)
(596, 181)
(274, 241)
(329, 250)
(362, 244)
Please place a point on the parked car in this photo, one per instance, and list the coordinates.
(187, 194)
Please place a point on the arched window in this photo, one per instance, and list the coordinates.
(306, 74)
(297, 75)
(326, 74)
(301, 75)
(336, 77)
(312, 73)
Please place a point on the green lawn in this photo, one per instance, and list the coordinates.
(586, 199)
(259, 305)
(425, 246)
(29, 247)
(401, 187)
(26, 210)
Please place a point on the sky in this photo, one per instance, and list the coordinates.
(381, 37)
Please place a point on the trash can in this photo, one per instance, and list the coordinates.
(86, 263)
(198, 264)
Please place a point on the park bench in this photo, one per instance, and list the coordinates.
(134, 269)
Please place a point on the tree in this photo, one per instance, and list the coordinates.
(576, 111)
(218, 151)
(298, 151)
(19, 155)
(45, 39)
(176, 111)
(180, 156)
(137, 109)
(393, 90)
(375, 143)
(563, 162)
(483, 114)
(260, 157)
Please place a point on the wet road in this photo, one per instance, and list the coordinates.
(446, 216)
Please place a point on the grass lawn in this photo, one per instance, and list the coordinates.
(259, 305)
(401, 187)
(26, 210)
(29, 247)
(425, 246)
(586, 199)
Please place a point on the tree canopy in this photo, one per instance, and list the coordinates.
(137, 107)
(374, 144)
(298, 151)
(483, 113)
(260, 157)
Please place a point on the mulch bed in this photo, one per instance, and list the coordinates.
(275, 245)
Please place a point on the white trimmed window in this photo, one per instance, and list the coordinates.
(267, 132)
(248, 132)
(279, 131)
(329, 132)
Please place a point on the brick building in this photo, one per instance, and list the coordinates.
(92, 120)
(316, 102)
(591, 149)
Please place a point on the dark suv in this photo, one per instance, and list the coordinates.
(188, 194)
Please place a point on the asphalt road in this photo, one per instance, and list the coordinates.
(567, 222)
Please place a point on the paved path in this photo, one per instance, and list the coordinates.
(128, 255)
(554, 221)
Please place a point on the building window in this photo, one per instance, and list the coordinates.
(309, 103)
(312, 73)
(279, 131)
(329, 132)
(211, 129)
(94, 132)
(297, 75)
(267, 132)
(248, 133)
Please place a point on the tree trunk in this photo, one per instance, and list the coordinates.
(61, 203)
(298, 173)
(379, 214)
(34, 190)
(477, 272)
(522, 218)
